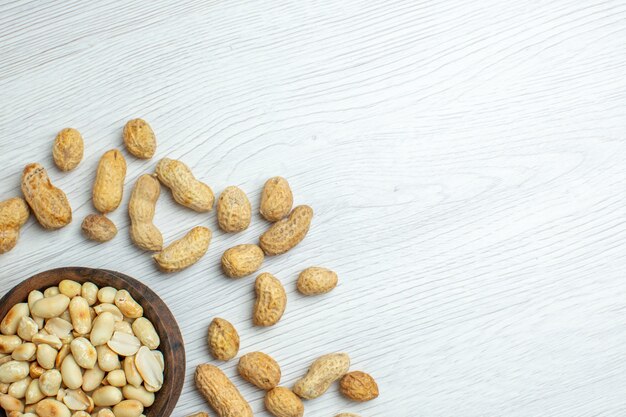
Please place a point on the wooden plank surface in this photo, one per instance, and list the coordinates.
(465, 160)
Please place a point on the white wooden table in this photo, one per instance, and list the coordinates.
(465, 160)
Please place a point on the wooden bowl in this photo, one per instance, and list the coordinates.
(154, 309)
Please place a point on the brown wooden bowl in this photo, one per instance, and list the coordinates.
(154, 309)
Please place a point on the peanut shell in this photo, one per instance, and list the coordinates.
(68, 149)
(285, 234)
(242, 260)
(139, 139)
(223, 339)
(185, 251)
(322, 373)
(141, 210)
(13, 214)
(233, 210)
(99, 228)
(271, 300)
(316, 280)
(49, 204)
(221, 393)
(276, 199)
(282, 402)
(108, 187)
(358, 386)
(186, 189)
(259, 369)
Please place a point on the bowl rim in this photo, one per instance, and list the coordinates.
(167, 326)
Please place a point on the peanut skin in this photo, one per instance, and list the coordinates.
(13, 214)
(223, 339)
(68, 149)
(233, 210)
(221, 393)
(141, 210)
(358, 386)
(49, 204)
(139, 139)
(185, 251)
(276, 199)
(242, 260)
(108, 187)
(97, 227)
(259, 369)
(323, 371)
(285, 234)
(282, 402)
(186, 189)
(271, 300)
(316, 280)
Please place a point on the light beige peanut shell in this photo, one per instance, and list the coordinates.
(186, 189)
(316, 280)
(347, 415)
(108, 187)
(358, 386)
(199, 414)
(13, 214)
(185, 251)
(221, 393)
(49, 204)
(276, 199)
(141, 210)
(68, 148)
(223, 339)
(287, 233)
(322, 373)
(139, 139)
(282, 402)
(233, 210)
(259, 369)
(98, 227)
(271, 300)
(242, 260)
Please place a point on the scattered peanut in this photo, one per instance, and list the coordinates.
(271, 300)
(185, 251)
(287, 233)
(52, 408)
(49, 204)
(282, 402)
(109, 184)
(139, 139)
(259, 369)
(68, 148)
(186, 189)
(221, 393)
(358, 386)
(141, 210)
(242, 260)
(13, 214)
(223, 339)
(276, 199)
(98, 227)
(323, 372)
(233, 210)
(316, 280)
(10, 322)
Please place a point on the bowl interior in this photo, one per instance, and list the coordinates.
(154, 308)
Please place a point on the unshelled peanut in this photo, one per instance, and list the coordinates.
(271, 300)
(98, 227)
(276, 199)
(221, 393)
(185, 251)
(141, 210)
(13, 214)
(358, 386)
(68, 149)
(316, 280)
(186, 189)
(259, 369)
(233, 210)
(108, 187)
(242, 260)
(139, 139)
(282, 402)
(49, 204)
(347, 415)
(285, 234)
(323, 372)
(223, 339)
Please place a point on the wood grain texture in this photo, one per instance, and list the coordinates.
(465, 161)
